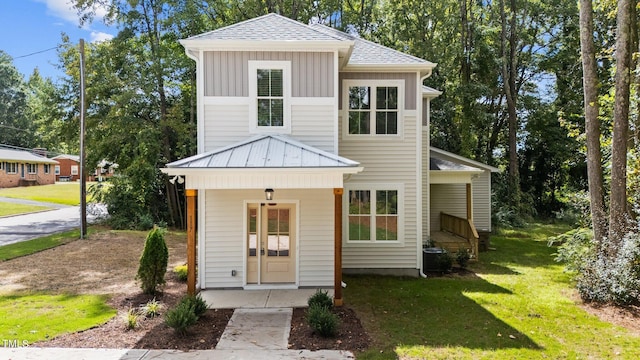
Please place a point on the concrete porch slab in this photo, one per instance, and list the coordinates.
(258, 329)
(241, 299)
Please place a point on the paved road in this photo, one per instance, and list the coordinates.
(18, 228)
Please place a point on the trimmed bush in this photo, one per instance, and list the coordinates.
(322, 320)
(462, 258)
(153, 262)
(445, 262)
(320, 298)
(180, 317)
(196, 302)
(181, 272)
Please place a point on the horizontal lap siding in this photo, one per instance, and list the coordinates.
(426, 210)
(482, 201)
(448, 198)
(226, 72)
(224, 125)
(314, 125)
(386, 161)
(224, 242)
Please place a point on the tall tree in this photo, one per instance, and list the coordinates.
(15, 127)
(618, 206)
(592, 123)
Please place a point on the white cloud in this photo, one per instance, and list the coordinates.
(98, 36)
(64, 10)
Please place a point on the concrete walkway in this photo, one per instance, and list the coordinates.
(252, 334)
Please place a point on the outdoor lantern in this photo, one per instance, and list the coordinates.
(268, 193)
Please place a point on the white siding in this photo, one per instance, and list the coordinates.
(426, 189)
(225, 124)
(386, 161)
(452, 199)
(225, 244)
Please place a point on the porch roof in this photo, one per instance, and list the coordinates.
(446, 171)
(268, 160)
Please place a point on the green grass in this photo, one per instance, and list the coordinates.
(15, 209)
(24, 248)
(60, 193)
(520, 306)
(28, 318)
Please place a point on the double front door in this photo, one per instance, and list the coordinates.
(271, 244)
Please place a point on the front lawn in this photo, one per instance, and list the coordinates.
(27, 318)
(29, 247)
(521, 305)
(60, 193)
(16, 209)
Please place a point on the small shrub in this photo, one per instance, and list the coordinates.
(180, 317)
(181, 272)
(151, 309)
(322, 320)
(131, 319)
(196, 303)
(462, 258)
(445, 262)
(320, 298)
(153, 262)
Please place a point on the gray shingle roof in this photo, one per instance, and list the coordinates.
(270, 27)
(369, 53)
(265, 151)
(23, 156)
(446, 165)
(274, 27)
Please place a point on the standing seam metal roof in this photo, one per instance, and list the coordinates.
(265, 151)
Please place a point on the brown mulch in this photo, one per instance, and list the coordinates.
(106, 263)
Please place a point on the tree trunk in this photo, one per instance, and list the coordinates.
(508, 75)
(592, 123)
(618, 207)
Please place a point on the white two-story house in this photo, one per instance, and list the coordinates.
(314, 160)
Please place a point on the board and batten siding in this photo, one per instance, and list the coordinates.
(385, 161)
(226, 73)
(452, 199)
(224, 229)
(228, 124)
(409, 84)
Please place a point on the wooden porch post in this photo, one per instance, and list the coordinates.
(191, 240)
(469, 210)
(337, 286)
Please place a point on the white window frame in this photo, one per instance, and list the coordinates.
(373, 84)
(373, 187)
(74, 170)
(32, 168)
(285, 66)
(12, 167)
(57, 170)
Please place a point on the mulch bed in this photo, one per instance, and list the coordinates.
(351, 335)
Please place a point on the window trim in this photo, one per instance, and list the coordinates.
(373, 187)
(8, 166)
(31, 167)
(373, 83)
(56, 170)
(76, 168)
(285, 66)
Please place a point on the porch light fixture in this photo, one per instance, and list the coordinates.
(177, 178)
(268, 193)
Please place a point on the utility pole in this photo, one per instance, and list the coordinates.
(83, 177)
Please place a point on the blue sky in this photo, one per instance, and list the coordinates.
(30, 26)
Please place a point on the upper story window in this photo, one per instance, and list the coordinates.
(269, 93)
(373, 109)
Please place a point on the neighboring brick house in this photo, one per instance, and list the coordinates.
(68, 168)
(23, 168)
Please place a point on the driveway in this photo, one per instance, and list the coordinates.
(18, 228)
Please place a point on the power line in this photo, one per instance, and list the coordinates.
(35, 53)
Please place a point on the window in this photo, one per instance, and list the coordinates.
(269, 92)
(373, 109)
(57, 170)
(373, 215)
(32, 168)
(12, 168)
(47, 168)
(74, 169)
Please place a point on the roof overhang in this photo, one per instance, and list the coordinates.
(453, 176)
(344, 47)
(425, 68)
